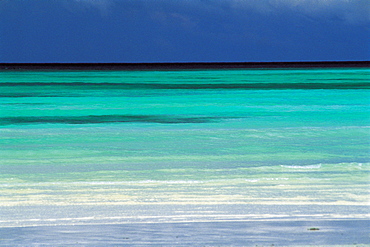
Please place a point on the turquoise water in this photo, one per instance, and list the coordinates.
(163, 138)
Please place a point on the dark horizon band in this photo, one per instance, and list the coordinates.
(182, 65)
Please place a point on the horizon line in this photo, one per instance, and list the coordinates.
(175, 65)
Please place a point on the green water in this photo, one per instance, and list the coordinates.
(243, 137)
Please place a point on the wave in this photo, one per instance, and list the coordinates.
(331, 166)
(317, 166)
(98, 119)
(220, 182)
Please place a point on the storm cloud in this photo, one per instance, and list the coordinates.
(350, 10)
(184, 30)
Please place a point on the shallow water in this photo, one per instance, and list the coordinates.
(227, 233)
(157, 138)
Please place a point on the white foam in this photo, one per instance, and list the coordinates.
(253, 180)
(317, 166)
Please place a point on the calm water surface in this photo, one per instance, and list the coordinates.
(183, 145)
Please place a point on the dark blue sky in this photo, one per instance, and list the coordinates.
(183, 30)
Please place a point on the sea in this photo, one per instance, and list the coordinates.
(145, 146)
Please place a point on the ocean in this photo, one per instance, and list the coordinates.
(101, 147)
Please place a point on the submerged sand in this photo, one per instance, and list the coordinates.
(223, 233)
